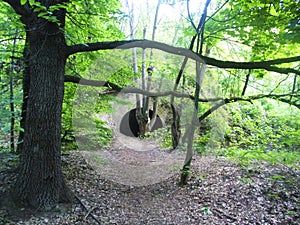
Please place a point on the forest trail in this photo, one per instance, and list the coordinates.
(134, 162)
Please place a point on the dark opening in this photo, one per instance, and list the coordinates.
(130, 127)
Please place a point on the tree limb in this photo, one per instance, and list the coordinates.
(134, 90)
(126, 90)
(127, 44)
(95, 83)
(279, 97)
(89, 211)
(266, 65)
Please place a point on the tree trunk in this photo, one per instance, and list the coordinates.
(25, 87)
(40, 182)
(12, 104)
(175, 127)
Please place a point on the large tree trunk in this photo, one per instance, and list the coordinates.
(40, 182)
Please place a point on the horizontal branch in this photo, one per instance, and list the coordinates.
(126, 90)
(134, 90)
(266, 65)
(249, 65)
(225, 101)
(260, 96)
(289, 101)
(128, 44)
(94, 83)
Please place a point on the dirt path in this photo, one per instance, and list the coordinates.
(134, 162)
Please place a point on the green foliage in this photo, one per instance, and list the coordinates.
(264, 130)
(11, 68)
(246, 157)
(161, 136)
(70, 90)
(5, 102)
(263, 29)
(104, 104)
(93, 21)
(68, 135)
(5, 115)
(186, 170)
(252, 127)
(123, 76)
(43, 11)
(87, 22)
(104, 133)
(263, 25)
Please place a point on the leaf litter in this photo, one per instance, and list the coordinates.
(219, 192)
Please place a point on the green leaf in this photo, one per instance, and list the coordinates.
(38, 4)
(44, 15)
(53, 19)
(206, 210)
(20, 129)
(31, 2)
(38, 8)
(23, 2)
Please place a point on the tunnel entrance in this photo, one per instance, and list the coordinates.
(129, 124)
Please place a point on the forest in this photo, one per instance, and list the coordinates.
(150, 112)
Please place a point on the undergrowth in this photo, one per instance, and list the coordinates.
(244, 156)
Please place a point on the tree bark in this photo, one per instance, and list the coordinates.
(39, 183)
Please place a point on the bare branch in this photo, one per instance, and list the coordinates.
(190, 17)
(218, 10)
(246, 83)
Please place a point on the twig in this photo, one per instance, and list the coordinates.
(225, 214)
(89, 212)
(246, 83)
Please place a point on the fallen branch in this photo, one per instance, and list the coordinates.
(89, 212)
(219, 211)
